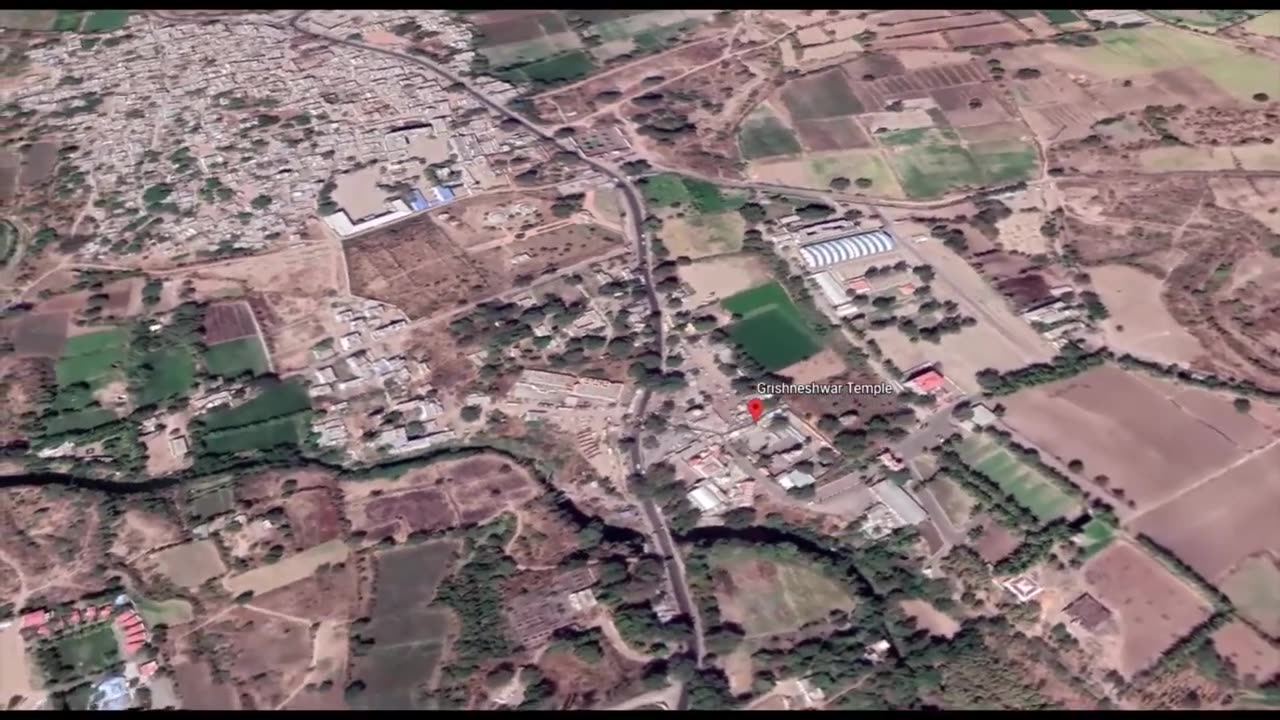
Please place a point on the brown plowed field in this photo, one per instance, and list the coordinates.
(1135, 430)
(838, 133)
(1154, 608)
(227, 321)
(1248, 651)
(1217, 524)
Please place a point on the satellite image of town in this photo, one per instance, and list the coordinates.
(639, 359)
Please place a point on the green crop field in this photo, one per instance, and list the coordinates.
(164, 374)
(669, 190)
(280, 399)
(1129, 52)
(236, 357)
(560, 68)
(88, 358)
(1004, 162)
(1028, 486)
(1060, 17)
(771, 330)
(763, 135)
(1096, 535)
(8, 241)
(87, 652)
(260, 436)
(931, 170)
(105, 21)
(78, 420)
(1254, 589)
(665, 190)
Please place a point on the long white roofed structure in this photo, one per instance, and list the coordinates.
(850, 247)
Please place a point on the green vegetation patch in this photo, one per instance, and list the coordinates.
(932, 170)
(1004, 162)
(666, 190)
(8, 241)
(1204, 18)
(559, 68)
(259, 436)
(771, 330)
(284, 398)
(83, 653)
(670, 190)
(90, 357)
(763, 135)
(168, 373)
(234, 358)
(1095, 535)
(210, 500)
(105, 21)
(86, 419)
(824, 95)
(905, 138)
(1029, 488)
(1060, 17)
(174, 611)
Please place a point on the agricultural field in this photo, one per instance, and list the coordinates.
(276, 400)
(1253, 656)
(1254, 589)
(1267, 24)
(1151, 438)
(1210, 19)
(770, 598)
(234, 358)
(714, 279)
(1029, 488)
(262, 580)
(770, 328)
(169, 373)
(85, 21)
(408, 632)
(205, 501)
(91, 357)
(170, 612)
(1132, 52)
(548, 47)
(698, 219)
(190, 564)
(763, 135)
(1154, 607)
(41, 334)
(228, 321)
(1140, 323)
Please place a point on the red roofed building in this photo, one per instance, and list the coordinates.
(35, 618)
(147, 669)
(860, 285)
(137, 634)
(75, 617)
(128, 619)
(132, 647)
(927, 382)
(45, 631)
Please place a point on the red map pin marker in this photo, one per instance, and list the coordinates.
(755, 406)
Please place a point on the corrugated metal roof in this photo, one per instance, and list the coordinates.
(902, 504)
(831, 252)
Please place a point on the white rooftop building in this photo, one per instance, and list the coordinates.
(849, 247)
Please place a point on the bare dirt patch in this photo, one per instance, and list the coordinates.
(930, 618)
(1255, 658)
(1135, 432)
(329, 594)
(266, 655)
(291, 569)
(714, 279)
(1153, 606)
(1140, 323)
(190, 564)
(996, 543)
(41, 334)
(816, 368)
(140, 532)
(417, 268)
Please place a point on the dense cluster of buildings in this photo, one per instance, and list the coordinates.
(230, 131)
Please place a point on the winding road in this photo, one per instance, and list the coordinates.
(634, 226)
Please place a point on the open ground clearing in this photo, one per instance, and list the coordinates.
(817, 170)
(1254, 588)
(190, 564)
(714, 279)
(1268, 24)
(15, 677)
(771, 329)
(1252, 655)
(1153, 606)
(767, 597)
(262, 580)
(825, 364)
(265, 655)
(1029, 488)
(1242, 157)
(1138, 432)
(236, 357)
(174, 611)
(698, 235)
(930, 618)
(1140, 323)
